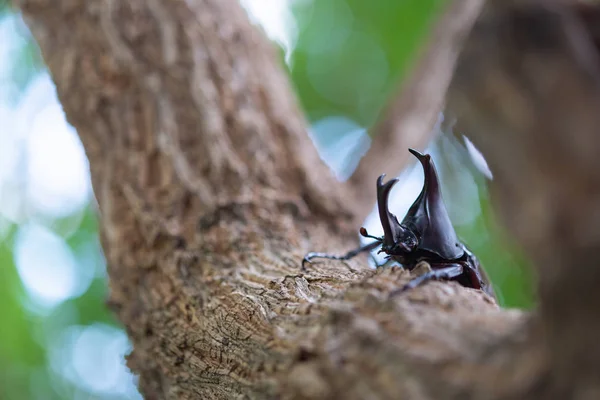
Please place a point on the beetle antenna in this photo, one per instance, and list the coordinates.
(351, 254)
(364, 233)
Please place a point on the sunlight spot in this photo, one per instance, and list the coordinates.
(478, 159)
(276, 19)
(98, 357)
(58, 180)
(93, 358)
(47, 266)
(12, 204)
(341, 143)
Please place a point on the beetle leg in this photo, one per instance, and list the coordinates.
(353, 253)
(478, 278)
(449, 271)
(388, 261)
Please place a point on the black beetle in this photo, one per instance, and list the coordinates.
(425, 234)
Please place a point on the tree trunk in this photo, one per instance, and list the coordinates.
(210, 193)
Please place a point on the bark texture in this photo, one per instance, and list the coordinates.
(528, 92)
(210, 193)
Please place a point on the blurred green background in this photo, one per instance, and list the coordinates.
(345, 58)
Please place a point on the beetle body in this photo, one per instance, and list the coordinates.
(466, 269)
(425, 234)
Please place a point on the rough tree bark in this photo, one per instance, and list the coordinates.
(210, 192)
(532, 105)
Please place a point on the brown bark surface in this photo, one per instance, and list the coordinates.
(210, 193)
(528, 92)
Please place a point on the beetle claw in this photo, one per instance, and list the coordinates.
(306, 260)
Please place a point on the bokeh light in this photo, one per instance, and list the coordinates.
(341, 143)
(58, 181)
(47, 266)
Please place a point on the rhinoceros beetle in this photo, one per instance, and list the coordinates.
(425, 234)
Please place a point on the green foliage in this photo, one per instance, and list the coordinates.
(15, 341)
(24, 333)
(19, 352)
(350, 55)
(4, 7)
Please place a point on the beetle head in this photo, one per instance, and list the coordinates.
(397, 238)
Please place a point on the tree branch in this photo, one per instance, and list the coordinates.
(188, 75)
(410, 118)
(208, 189)
(527, 90)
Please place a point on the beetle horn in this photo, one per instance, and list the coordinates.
(428, 215)
(389, 222)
